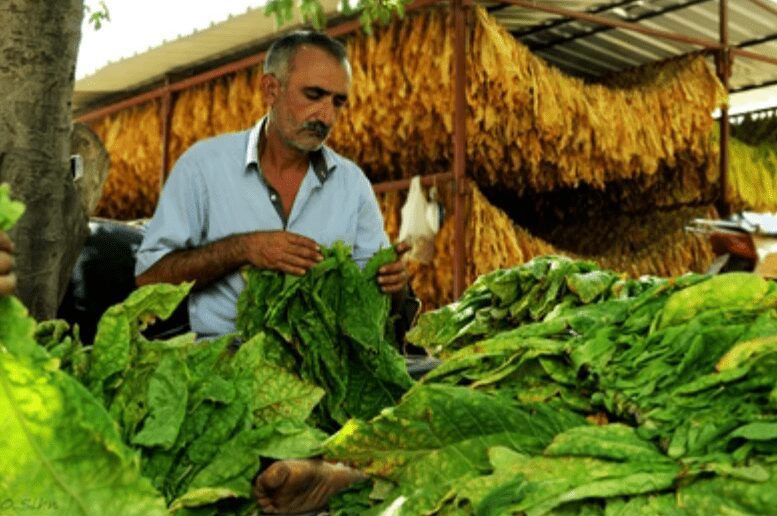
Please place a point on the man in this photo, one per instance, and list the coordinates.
(7, 276)
(268, 197)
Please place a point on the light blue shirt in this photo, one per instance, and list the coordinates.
(216, 189)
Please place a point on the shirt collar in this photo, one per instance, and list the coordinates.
(318, 158)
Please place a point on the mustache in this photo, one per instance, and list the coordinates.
(319, 128)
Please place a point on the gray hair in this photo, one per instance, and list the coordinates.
(282, 51)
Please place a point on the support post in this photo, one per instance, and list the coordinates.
(724, 72)
(459, 145)
(166, 114)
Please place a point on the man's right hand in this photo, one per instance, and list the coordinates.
(7, 277)
(282, 251)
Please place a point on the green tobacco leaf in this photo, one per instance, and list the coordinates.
(613, 441)
(253, 304)
(734, 289)
(111, 349)
(120, 325)
(434, 328)
(725, 495)
(155, 301)
(541, 484)
(645, 505)
(10, 211)
(493, 359)
(723, 465)
(292, 440)
(439, 434)
(17, 330)
(366, 311)
(235, 464)
(504, 284)
(237, 460)
(167, 396)
(278, 394)
(50, 334)
(590, 285)
(757, 431)
(740, 353)
(60, 450)
(201, 496)
(353, 500)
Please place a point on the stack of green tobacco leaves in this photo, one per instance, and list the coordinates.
(651, 397)
(565, 389)
(201, 414)
(507, 298)
(195, 419)
(332, 327)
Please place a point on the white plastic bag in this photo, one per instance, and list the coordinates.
(420, 222)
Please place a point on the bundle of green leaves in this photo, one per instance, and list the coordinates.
(507, 298)
(332, 326)
(668, 393)
(202, 415)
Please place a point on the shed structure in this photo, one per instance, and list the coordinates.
(584, 129)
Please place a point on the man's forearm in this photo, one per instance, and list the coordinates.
(203, 265)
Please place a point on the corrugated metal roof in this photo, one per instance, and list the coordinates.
(578, 47)
(590, 50)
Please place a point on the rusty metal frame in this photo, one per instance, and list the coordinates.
(459, 144)
(166, 116)
(724, 73)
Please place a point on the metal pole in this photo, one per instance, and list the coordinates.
(724, 72)
(232, 67)
(459, 145)
(166, 114)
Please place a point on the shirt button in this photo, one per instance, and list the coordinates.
(273, 197)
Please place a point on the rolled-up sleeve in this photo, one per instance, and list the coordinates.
(180, 217)
(370, 234)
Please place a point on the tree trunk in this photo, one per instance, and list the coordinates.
(38, 48)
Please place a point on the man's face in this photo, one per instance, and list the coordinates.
(306, 108)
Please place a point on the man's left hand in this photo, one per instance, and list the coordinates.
(393, 277)
(7, 277)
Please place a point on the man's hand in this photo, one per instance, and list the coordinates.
(7, 277)
(282, 251)
(393, 277)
